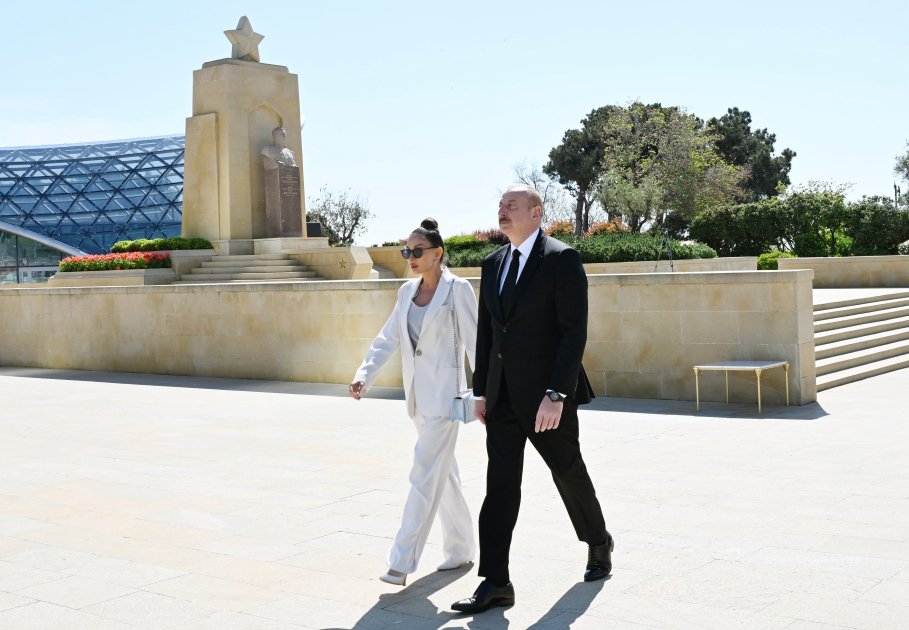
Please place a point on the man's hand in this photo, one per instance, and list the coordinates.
(480, 410)
(548, 415)
(355, 389)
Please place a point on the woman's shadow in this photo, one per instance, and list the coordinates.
(420, 612)
(416, 605)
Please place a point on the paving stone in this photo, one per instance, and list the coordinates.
(150, 610)
(45, 616)
(74, 592)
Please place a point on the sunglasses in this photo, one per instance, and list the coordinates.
(416, 252)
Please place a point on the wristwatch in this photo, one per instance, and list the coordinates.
(554, 396)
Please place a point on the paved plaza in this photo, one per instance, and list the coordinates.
(133, 501)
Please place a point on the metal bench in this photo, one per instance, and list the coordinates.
(748, 366)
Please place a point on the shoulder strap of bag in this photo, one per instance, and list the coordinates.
(457, 345)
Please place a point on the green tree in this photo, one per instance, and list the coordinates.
(660, 159)
(576, 164)
(342, 217)
(767, 173)
(902, 165)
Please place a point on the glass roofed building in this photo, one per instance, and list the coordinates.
(84, 197)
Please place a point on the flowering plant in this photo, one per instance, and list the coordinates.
(607, 227)
(109, 262)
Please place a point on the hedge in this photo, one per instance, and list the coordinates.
(117, 261)
(160, 244)
(469, 251)
(806, 224)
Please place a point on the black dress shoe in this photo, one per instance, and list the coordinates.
(599, 560)
(485, 597)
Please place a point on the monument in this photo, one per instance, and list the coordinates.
(282, 188)
(238, 105)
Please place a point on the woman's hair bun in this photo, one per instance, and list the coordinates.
(430, 224)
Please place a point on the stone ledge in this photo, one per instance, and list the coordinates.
(114, 278)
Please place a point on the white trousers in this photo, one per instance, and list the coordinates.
(435, 487)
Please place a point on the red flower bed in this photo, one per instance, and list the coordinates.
(110, 262)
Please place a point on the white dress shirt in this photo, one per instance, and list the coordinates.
(525, 248)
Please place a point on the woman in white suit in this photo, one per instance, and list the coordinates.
(421, 327)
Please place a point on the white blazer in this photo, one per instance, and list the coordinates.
(429, 370)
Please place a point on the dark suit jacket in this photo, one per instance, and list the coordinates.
(539, 344)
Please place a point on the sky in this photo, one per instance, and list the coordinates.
(423, 109)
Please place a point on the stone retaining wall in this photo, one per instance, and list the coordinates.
(646, 331)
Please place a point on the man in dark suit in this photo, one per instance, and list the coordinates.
(532, 329)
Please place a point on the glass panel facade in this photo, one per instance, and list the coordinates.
(25, 261)
(90, 196)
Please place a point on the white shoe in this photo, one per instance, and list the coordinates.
(394, 577)
(450, 565)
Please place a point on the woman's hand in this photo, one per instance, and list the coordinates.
(355, 389)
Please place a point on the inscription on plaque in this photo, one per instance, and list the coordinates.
(283, 208)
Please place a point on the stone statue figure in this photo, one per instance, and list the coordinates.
(277, 153)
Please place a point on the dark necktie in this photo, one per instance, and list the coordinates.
(507, 295)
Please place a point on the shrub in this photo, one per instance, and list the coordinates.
(768, 261)
(626, 247)
(470, 257)
(116, 261)
(397, 243)
(808, 223)
(492, 235)
(160, 244)
(561, 229)
(480, 241)
(607, 227)
(874, 227)
(462, 241)
(903, 248)
(602, 246)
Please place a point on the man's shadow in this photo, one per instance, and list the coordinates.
(570, 606)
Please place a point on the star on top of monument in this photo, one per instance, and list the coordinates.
(245, 42)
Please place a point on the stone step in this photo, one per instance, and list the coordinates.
(869, 307)
(220, 277)
(861, 330)
(855, 320)
(863, 342)
(246, 269)
(862, 372)
(862, 300)
(865, 356)
(242, 257)
(260, 281)
(268, 262)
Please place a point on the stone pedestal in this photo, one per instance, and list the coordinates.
(282, 202)
(236, 105)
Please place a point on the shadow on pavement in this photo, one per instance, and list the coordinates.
(202, 382)
(647, 406)
(413, 603)
(811, 411)
(570, 606)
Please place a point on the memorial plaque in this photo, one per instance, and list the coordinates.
(283, 206)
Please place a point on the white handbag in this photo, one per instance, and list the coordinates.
(464, 403)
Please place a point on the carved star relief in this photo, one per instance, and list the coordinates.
(244, 41)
